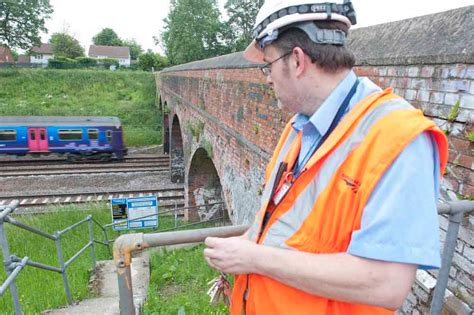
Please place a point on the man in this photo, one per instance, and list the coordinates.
(349, 207)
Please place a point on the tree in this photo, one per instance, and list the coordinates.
(193, 31)
(14, 54)
(107, 37)
(65, 45)
(150, 60)
(22, 21)
(135, 48)
(242, 14)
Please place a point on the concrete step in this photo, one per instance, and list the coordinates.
(105, 284)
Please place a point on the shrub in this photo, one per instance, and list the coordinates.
(108, 62)
(62, 63)
(85, 62)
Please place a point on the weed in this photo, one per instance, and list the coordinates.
(454, 112)
(470, 136)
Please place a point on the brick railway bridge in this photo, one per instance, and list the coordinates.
(221, 122)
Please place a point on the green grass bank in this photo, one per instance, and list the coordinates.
(129, 95)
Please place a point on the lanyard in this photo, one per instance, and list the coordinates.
(290, 169)
(335, 122)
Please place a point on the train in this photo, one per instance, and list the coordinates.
(78, 138)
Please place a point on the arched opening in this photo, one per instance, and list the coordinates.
(177, 155)
(205, 197)
(166, 128)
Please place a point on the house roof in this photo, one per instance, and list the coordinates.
(6, 55)
(35, 121)
(43, 49)
(109, 51)
(23, 59)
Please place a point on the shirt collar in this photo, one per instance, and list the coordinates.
(325, 114)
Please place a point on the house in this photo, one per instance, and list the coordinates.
(23, 59)
(6, 55)
(41, 54)
(121, 54)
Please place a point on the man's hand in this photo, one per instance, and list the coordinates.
(230, 255)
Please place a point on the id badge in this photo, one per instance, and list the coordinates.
(278, 196)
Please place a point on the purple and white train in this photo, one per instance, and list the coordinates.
(79, 138)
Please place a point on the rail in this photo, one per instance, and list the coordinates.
(14, 265)
(126, 245)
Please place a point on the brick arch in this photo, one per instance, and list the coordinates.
(176, 152)
(203, 188)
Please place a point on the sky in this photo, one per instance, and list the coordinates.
(143, 19)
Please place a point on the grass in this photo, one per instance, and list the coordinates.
(40, 290)
(179, 282)
(128, 95)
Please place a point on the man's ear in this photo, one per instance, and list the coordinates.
(300, 63)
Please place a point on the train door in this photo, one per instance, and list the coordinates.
(37, 140)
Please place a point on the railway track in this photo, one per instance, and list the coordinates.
(168, 198)
(5, 162)
(135, 164)
(83, 169)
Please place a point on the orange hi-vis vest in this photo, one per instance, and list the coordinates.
(325, 203)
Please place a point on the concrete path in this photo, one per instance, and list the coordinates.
(106, 284)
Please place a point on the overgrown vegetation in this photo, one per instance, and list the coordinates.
(128, 95)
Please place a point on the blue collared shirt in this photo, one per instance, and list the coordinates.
(399, 223)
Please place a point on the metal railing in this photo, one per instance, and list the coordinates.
(14, 265)
(126, 245)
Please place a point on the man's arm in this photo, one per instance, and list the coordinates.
(338, 276)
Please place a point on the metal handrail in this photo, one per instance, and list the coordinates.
(14, 265)
(126, 245)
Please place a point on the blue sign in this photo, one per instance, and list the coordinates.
(135, 213)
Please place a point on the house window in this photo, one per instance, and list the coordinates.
(7, 135)
(70, 134)
(109, 136)
(93, 134)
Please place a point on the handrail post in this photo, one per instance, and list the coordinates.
(63, 267)
(455, 212)
(91, 240)
(126, 244)
(175, 214)
(7, 259)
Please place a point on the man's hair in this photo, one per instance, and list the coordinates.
(328, 57)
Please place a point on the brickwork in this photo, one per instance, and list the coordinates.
(203, 187)
(226, 109)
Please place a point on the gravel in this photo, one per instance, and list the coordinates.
(77, 183)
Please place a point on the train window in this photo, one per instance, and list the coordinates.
(7, 135)
(33, 135)
(42, 136)
(93, 134)
(109, 136)
(70, 134)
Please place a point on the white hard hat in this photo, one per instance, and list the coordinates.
(275, 15)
